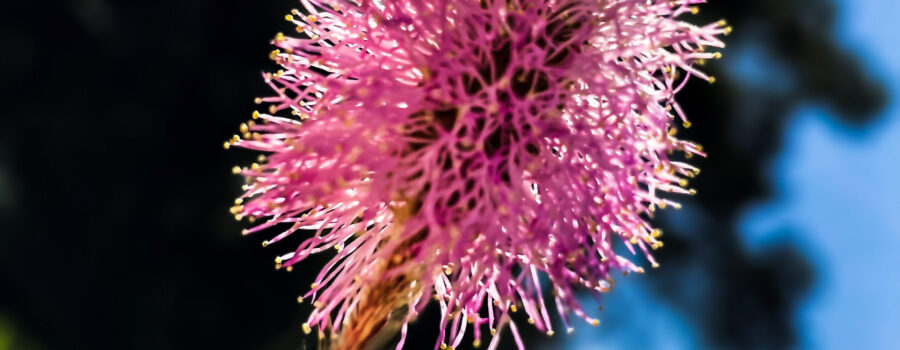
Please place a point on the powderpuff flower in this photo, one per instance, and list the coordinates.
(491, 155)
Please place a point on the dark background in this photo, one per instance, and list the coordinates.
(115, 189)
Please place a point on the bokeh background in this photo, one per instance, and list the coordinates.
(114, 188)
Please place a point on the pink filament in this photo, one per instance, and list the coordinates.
(521, 136)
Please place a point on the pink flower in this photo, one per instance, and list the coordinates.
(458, 150)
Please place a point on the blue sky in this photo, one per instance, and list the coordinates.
(837, 197)
(840, 189)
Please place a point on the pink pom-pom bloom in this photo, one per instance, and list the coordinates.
(459, 150)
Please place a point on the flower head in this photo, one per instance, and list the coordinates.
(456, 150)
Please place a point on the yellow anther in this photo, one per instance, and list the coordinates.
(692, 192)
(273, 109)
(279, 37)
(300, 300)
(695, 10)
(306, 328)
(686, 124)
(274, 54)
(289, 18)
(513, 308)
(254, 166)
(655, 265)
(313, 285)
(311, 18)
(299, 29)
(493, 331)
(476, 343)
(443, 346)
(633, 240)
(265, 244)
(255, 114)
(550, 333)
(727, 30)
(595, 322)
(683, 182)
(530, 320)
(717, 55)
(226, 145)
(712, 80)
(236, 170)
(257, 101)
(244, 128)
(656, 233)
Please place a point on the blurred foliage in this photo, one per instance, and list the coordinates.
(11, 338)
(115, 188)
(747, 300)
